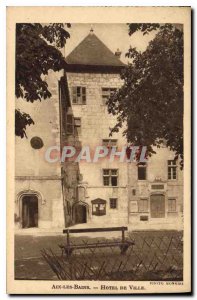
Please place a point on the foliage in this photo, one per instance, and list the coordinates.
(21, 122)
(145, 28)
(37, 52)
(151, 98)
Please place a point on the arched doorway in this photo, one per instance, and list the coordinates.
(29, 211)
(157, 206)
(80, 213)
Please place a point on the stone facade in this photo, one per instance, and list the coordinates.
(59, 194)
(35, 177)
(156, 183)
(95, 124)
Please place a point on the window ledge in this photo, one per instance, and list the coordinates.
(172, 180)
(79, 104)
(111, 186)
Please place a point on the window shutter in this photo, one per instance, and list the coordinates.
(74, 94)
(69, 124)
(83, 95)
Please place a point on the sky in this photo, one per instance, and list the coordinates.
(112, 35)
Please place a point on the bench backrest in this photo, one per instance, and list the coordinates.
(95, 229)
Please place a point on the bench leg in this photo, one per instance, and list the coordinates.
(68, 252)
(123, 249)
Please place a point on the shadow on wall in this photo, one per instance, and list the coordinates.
(75, 208)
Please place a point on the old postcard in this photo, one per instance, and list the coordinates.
(99, 139)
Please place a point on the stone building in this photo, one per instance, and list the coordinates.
(38, 184)
(101, 193)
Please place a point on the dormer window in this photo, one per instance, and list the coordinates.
(79, 95)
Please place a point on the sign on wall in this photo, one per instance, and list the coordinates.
(133, 206)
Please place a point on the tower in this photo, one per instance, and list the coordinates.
(95, 191)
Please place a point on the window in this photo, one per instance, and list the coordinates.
(69, 124)
(73, 125)
(113, 203)
(109, 143)
(172, 205)
(142, 172)
(106, 93)
(110, 177)
(99, 207)
(143, 205)
(77, 126)
(78, 95)
(172, 169)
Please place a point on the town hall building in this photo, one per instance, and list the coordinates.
(101, 193)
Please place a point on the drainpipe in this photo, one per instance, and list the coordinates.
(62, 170)
(128, 188)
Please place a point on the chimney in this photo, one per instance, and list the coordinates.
(118, 53)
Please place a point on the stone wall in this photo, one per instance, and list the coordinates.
(33, 172)
(95, 123)
(50, 202)
(157, 174)
(61, 187)
(95, 126)
(45, 114)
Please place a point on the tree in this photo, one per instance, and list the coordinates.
(150, 101)
(37, 52)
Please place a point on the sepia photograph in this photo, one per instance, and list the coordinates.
(100, 151)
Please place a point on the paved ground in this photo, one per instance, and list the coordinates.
(29, 263)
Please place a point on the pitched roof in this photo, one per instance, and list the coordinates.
(99, 200)
(93, 52)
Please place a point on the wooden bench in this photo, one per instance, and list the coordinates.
(68, 248)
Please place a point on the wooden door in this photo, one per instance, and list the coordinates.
(80, 214)
(29, 211)
(157, 206)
